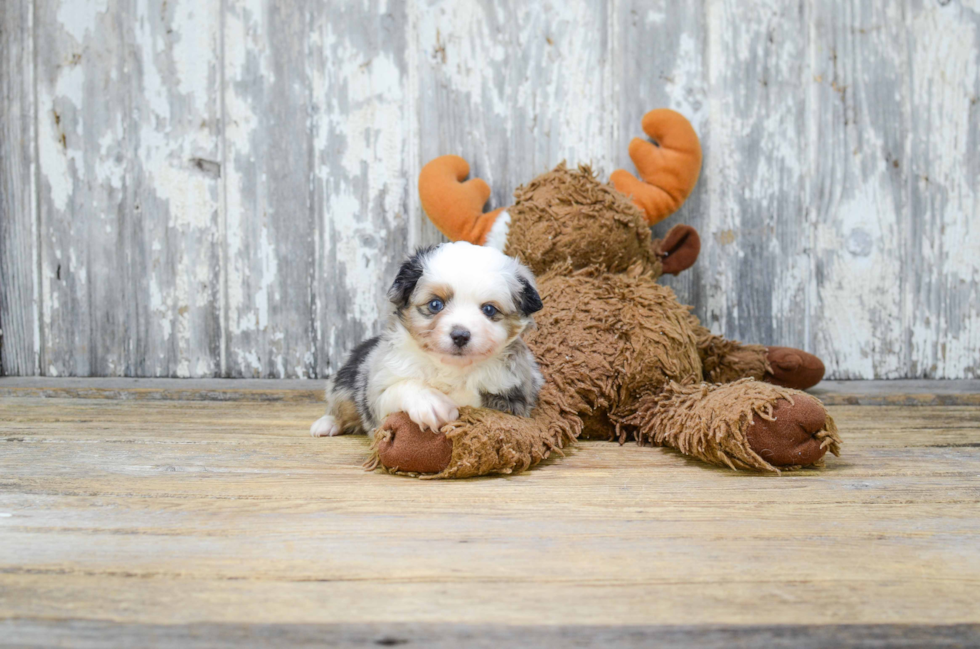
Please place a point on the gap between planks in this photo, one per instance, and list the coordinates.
(832, 393)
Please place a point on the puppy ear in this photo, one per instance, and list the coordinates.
(528, 301)
(408, 276)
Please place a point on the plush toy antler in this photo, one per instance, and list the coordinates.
(456, 207)
(670, 166)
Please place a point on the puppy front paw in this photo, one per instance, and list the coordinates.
(325, 426)
(432, 410)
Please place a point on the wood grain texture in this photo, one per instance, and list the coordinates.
(150, 513)
(99, 634)
(227, 189)
(82, 93)
(859, 196)
(19, 328)
(757, 269)
(128, 146)
(270, 231)
(904, 392)
(941, 316)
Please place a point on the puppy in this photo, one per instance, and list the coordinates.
(453, 340)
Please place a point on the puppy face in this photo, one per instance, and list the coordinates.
(463, 303)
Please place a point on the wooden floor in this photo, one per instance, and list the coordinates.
(141, 521)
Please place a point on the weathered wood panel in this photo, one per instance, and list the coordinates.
(128, 144)
(858, 202)
(902, 392)
(19, 328)
(941, 321)
(96, 634)
(756, 268)
(226, 190)
(85, 173)
(365, 137)
(176, 104)
(270, 232)
(319, 168)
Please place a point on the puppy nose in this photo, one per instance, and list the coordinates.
(460, 336)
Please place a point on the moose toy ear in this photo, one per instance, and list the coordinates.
(669, 165)
(456, 207)
(679, 249)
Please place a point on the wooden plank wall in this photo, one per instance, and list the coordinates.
(225, 189)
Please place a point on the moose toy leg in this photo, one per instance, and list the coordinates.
(480, 442)
(746, 424)
(793, 368)
(726, 360)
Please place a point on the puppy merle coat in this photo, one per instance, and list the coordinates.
(453, 340)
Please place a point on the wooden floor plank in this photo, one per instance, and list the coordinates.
(135, 513)
(99, 634)
(910, 392)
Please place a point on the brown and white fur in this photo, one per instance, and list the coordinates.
(453, 340)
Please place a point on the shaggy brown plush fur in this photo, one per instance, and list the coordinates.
(724, 361)
(629, 337)
(483, 444)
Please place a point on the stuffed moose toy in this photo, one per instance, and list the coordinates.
(621, 357)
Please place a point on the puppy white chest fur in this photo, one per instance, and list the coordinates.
(466, 387)
(463, 384)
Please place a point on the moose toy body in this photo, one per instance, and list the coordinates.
(621, 357)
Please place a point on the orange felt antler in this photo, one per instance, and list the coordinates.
(456, 207)
(669, 167)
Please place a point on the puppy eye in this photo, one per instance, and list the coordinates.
(436, 306)
(489, 310)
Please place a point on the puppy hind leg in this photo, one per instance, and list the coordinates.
(325, 426)
(342, 418)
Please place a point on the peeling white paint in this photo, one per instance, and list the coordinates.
(946, 75)
(197, 36)
(461, 36)
(57, 147)
(80, 18)
(945, 341)
(861, 290)
(686, 84)
(656, 17)
(270, 267)
(373, 145)
(241, 34)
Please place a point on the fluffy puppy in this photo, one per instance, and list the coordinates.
(453, 340)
